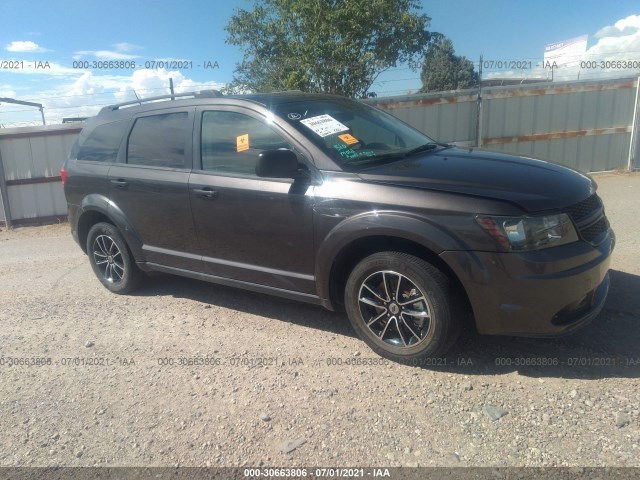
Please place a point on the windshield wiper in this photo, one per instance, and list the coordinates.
(423, 148)
(393, 156)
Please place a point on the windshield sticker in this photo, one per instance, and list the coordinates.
(350, 153)
(324, 125)
(242, 142)
(294, 116)
(348, 138)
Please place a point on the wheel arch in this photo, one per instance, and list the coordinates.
(96, 209)
(88, 219)
(351, 241)
(363, 247)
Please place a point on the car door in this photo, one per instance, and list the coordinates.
(256, 230)
(151, 187)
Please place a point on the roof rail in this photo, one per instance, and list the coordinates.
(200, 94)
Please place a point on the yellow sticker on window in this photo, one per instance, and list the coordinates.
(348, 139)
(242, 142)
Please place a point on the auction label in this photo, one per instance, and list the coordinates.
(324, 125)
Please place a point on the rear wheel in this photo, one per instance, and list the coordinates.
(111, 259)
(404, 308)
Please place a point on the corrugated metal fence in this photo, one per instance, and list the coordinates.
(30, 161)
(586, 125)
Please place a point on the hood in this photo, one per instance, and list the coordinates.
(533, 185)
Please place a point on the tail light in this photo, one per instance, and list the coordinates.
(63, 175)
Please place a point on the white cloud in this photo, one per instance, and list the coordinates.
(615, 44)
(126, 47)
(120, 52)
(26, 46)
(624, 27)
(151, 83)
(85, 85)
(7, 91)
(84, 93)
(72, 92)
(104, 55)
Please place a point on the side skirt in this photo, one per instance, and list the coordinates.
(278, 292)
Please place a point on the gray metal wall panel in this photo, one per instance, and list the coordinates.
(559, 113)
(586, 160)
(587, 154)
(37, 200)
(465, 122)
(49, 153)
(23, 202)
(533, 110)
(623, 107)
(35, 157)
(59, 201)
(590, 110)
(450, 122)
(576, 117)
(32, 155)
(446, 116)
(16, 157)
(618, 153)
(416, 117)
(556, 152)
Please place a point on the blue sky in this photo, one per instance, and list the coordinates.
(63, 31)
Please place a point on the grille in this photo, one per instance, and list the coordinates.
(583, 209)
(590, 231)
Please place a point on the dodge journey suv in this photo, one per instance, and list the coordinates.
(329, 201)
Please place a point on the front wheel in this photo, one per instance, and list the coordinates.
(404, 308)
(111, 259)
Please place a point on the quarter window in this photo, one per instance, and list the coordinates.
(159, 140)
(103, 143)
(231, 142)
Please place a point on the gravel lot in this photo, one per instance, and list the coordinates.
(288, 384)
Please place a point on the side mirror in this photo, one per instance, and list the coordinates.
(279, 163)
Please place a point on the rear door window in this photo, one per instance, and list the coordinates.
(159, 141)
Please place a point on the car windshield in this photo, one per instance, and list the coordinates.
(353, 134)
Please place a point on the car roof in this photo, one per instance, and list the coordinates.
(268, 100)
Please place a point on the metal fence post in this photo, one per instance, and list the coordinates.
(6, 209)
(479, 112)
(633, 143)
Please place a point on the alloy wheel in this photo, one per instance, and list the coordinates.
(395, 309)
(108, 258)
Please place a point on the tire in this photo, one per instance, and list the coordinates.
(111, 259)
(424, 324)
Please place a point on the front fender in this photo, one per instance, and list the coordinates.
(415, 228)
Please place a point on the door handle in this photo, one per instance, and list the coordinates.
(205, 192)
(119, 182)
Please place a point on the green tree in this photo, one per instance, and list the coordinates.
(444, 70)
(330, 46)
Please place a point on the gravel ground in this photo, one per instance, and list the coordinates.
(288, 384)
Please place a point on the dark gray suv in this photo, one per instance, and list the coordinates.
(329, 201)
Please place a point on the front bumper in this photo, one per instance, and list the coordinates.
(546, 292)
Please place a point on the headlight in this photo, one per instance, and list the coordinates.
(529, 233)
